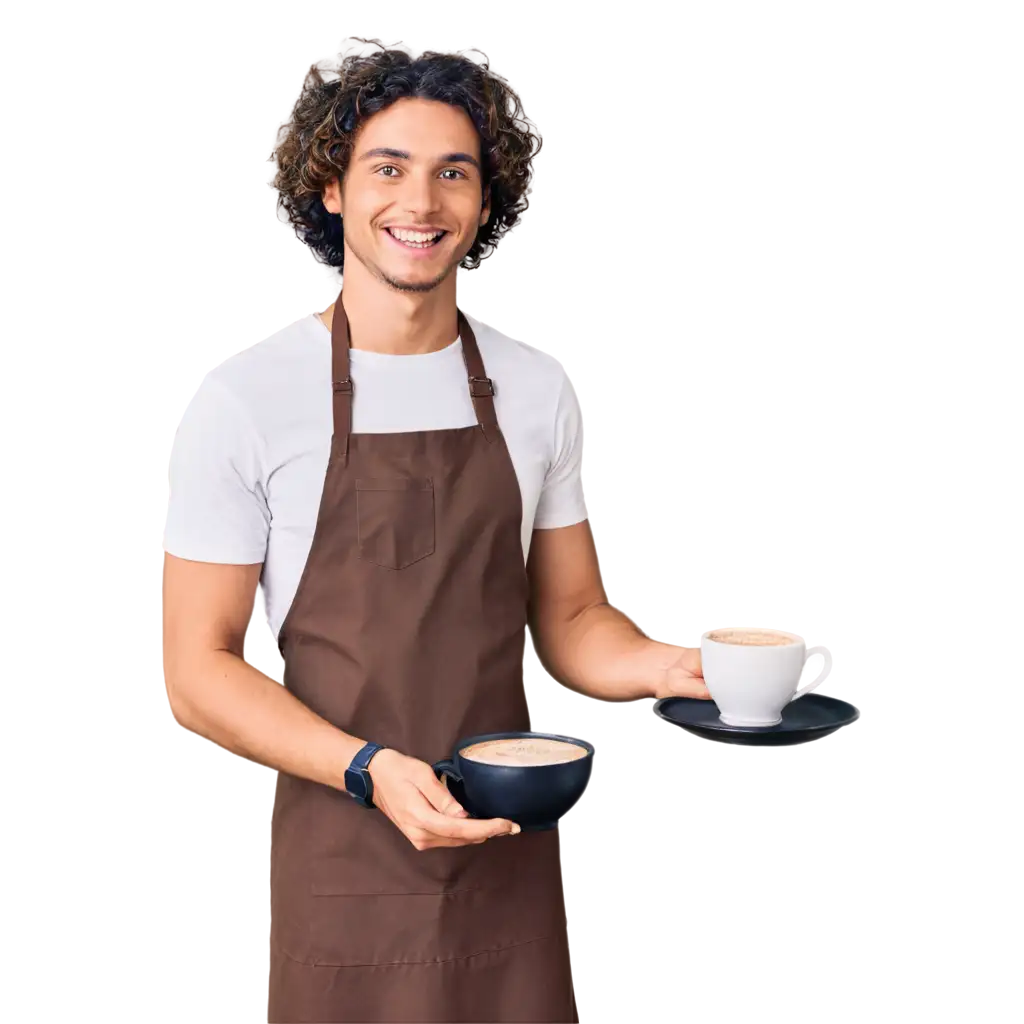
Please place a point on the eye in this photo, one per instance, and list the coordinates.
(455, 169)
(385, 168)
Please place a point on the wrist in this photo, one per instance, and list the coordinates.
(381, 759)
(359, 783)
(346, 748)
(654, 662)
(665, 658)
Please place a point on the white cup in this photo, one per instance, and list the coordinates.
(752, 684)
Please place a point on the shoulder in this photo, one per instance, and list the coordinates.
(281, 362)
(516, 365)
(246, 381)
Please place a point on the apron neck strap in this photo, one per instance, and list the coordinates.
(481, 387)
(341, 381)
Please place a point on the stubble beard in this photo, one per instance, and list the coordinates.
(397, 284)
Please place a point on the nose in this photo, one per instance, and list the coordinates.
(421, 195)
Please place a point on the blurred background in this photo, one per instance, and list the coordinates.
(777, 248)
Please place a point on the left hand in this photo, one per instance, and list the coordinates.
(684, 677)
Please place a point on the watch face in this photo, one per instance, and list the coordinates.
(355, 783)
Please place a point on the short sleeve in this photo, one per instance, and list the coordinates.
(217, 510)
(561, 499)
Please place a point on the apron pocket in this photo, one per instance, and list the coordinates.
(395, 518)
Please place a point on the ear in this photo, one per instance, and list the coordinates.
(332, 196)
(485, 211)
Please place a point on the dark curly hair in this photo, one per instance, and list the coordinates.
(316, 144)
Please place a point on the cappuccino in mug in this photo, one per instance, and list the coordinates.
(750, 637)
(523, 751)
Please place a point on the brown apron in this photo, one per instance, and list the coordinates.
(407, 628)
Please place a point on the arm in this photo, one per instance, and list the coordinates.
(214, 692)
(218, 507)
(585, 643)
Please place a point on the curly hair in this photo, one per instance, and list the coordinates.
(315, 145)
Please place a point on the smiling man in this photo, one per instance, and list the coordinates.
(404, 481)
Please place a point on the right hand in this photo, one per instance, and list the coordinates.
(409, 793)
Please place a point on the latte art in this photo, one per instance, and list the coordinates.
(523, 751)
(750, 638)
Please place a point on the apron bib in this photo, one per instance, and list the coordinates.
(407, 628)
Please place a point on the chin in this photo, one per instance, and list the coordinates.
(401, 285)
(418, 284)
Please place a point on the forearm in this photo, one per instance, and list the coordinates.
(223, 698)
(602, 653)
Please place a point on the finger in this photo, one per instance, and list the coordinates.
(420, 814)
(687, 686)
(432, 842)
(691, 661)
(472, 829)
(440, 798)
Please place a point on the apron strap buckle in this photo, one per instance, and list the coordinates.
(342, 416)
(481, 387)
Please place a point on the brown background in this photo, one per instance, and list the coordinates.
(136, 244)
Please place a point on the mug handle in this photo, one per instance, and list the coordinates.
(827, 672)
(447, 767)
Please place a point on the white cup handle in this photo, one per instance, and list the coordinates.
(827, 672)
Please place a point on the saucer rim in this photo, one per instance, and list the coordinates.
(760, 730)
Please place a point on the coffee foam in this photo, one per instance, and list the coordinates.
(523, 751)
(752, 637)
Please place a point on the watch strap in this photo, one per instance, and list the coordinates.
(358, 781)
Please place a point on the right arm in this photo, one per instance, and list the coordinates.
(218, 521)
(214, 692)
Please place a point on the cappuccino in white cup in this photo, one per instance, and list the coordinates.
(753, 673)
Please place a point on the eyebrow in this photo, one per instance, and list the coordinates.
(402, 154)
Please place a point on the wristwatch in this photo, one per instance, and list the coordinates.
(358, 783)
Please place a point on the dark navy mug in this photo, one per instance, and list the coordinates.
(533, 796)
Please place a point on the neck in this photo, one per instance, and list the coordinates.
(383, 319)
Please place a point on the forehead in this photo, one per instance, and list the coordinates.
(425, 128)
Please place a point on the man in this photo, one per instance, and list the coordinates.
(404, 480)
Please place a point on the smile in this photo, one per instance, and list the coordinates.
(416, 239)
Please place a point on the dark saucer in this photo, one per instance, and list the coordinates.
(806, 719)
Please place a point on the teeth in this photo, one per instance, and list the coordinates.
(413, 236)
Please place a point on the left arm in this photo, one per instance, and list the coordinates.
(585, 643)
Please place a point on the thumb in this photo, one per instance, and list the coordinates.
(440, 798)
(690, 661)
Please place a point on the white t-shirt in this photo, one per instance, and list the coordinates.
(249, 458)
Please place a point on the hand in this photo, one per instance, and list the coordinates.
(408, 792)
(684, 677)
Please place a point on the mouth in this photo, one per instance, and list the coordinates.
(416, 240)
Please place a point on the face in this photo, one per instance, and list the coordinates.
(415, 166)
